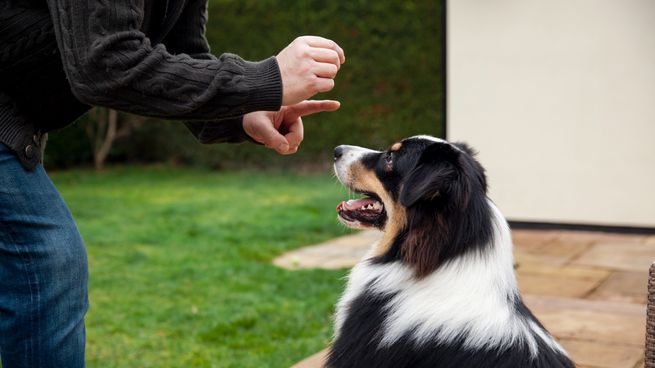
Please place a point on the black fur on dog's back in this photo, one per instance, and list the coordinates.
(368, 313)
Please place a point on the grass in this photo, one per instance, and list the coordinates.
(180, 272)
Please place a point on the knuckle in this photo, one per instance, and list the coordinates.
(329, 84)
(307, 68)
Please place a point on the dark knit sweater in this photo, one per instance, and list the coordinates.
(145, 57)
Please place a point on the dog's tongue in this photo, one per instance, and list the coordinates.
(355, 204)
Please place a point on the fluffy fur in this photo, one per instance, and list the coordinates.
(439, 289)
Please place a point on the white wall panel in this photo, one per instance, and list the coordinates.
(559, 98)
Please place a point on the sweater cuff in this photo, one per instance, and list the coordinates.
(222, 131)
(265, 85)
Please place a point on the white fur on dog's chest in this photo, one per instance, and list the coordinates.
(469, 299)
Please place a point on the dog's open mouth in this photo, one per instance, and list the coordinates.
(362, 213)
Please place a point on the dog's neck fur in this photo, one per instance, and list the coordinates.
(472, 298)
(430, 233)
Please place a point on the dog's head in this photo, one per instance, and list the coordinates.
(427, 194)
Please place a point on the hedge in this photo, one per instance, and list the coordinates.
(390, 87)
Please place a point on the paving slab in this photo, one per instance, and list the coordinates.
(602, 355)
(623, 286)
(532, 239)
(555, 285)
(626, 256)
(556, 252)
(567, 281)
(600, 321)
(342, 252)
(581, 272)
(601, 237)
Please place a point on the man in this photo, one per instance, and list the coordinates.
(143, 56)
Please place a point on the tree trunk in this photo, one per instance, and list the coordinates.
(107, 126)
(102, 149)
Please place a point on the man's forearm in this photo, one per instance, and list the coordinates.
(110, 62)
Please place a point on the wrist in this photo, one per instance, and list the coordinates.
(264, 81)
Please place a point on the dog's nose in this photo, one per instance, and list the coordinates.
(338, 152)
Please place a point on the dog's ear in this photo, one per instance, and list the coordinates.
(433, 176)
(472, 167)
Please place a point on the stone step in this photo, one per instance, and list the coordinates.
(342, 252)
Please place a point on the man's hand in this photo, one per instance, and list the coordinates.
(283, 130)
(308, 66)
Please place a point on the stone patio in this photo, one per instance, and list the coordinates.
(588, 288)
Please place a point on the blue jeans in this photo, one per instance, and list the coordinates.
(43, 272)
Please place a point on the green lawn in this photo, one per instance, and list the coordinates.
(180, 272)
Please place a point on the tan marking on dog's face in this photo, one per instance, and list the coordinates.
(365, 180)
(396, 146)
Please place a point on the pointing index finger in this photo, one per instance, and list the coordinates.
(313, 106)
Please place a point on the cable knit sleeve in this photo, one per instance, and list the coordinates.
(110, 62)
(188, 37)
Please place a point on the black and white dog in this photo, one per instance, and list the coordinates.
(439, 289)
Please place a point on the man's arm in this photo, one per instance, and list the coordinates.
(188, 34)
(110, 62)
(188, 37)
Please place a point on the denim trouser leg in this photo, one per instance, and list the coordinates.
(43, 272)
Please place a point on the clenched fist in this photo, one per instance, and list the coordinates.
(308, 66)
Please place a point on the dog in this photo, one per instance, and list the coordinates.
(439, 289)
